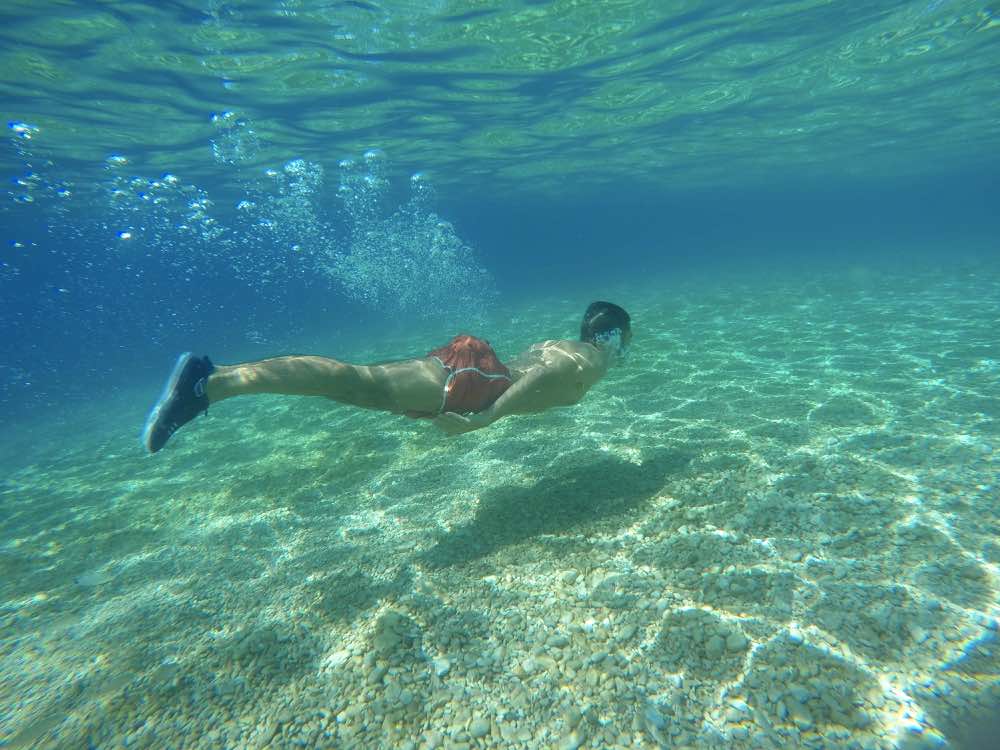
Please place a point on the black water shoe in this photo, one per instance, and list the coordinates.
(183, 399)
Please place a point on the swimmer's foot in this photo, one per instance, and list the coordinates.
(183, 399)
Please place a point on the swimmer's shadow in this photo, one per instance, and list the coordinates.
(587, 494)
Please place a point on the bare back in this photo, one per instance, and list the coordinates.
(557, 372)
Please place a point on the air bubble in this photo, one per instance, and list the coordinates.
(236, 142)
(409, 260)
(22, 129)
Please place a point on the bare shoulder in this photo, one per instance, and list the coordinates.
(567, 357)
(577, 351)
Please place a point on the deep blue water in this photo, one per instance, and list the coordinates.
(81, 314)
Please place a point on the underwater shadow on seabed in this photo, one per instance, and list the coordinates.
(594, 495)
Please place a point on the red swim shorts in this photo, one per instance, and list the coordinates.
(476, 377)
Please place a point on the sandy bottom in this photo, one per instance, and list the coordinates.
(777, 525)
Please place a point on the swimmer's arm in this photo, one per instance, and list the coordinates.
(456, 424)
(526, 396)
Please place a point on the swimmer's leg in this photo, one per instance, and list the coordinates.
(406, 386)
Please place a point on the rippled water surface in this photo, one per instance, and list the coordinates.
(542, 97)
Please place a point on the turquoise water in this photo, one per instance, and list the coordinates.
(763, 531)
(540, 98)
(774, 525)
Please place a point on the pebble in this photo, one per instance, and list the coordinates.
(627, 632)
(740, 706)
(714, 647)
(569, 576)
(801, 716)
(598, 657)
(545, 662)
(799, 693)
(480, 727)
(654, 719)
(571, 741)
(441, 666)
(338, 658)
(386, 642)
(736, 642)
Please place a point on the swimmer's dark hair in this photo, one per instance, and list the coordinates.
(602, 317)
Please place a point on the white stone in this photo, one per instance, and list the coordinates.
(740, 706)
(441, 666)
(338, 658)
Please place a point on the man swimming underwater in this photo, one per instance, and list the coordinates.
(462, 386)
